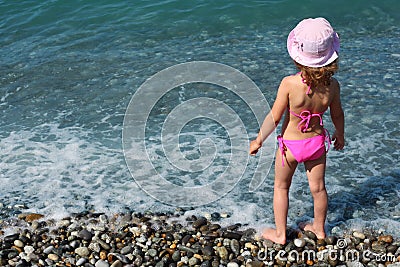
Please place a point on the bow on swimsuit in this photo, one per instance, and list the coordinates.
(306, 149)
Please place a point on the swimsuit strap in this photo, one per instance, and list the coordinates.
(309, 86)
(306, 117)
(282, 148)
(304, 81)
(327, 139)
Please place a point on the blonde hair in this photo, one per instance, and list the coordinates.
(318, 76)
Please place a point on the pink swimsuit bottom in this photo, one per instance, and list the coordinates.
(305, 149)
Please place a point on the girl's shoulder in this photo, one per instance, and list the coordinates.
(334, 85)
(334, 81)
(291, 80)
(291, 83)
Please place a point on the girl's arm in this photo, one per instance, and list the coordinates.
(337, 116)
(273, 118)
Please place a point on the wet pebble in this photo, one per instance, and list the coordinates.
(152, 252)
(11, 238)
(126, 250)
(215, 216)
(117, 263)
(95, 247)
(48, 250)
(299, 242)
(82, 251)
(199, 222)
(193, 261)
(169, 237)
(85, 235)
(235, 246)
(386, 239)
(359, 235)
(101, 263)
(176, 256)
(310, 234)
(52, 257)
(232, 264)
(103, 244)
(208, 250)
(29, 249)
(18, 243)
(331, 240)
(80, 261)
(222, 253)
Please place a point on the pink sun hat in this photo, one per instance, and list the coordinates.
(313, 43)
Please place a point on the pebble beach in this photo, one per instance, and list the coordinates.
(149, 239)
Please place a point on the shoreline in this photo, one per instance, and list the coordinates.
(151, 239)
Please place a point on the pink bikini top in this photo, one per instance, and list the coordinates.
(306, 115)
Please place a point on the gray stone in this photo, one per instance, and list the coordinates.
(80, 262)
(82, 251)
(74, 244)
(49, 262)
(29, 249)
(126, 250)
(101, 263)
(117, 263)
(208, 250)
(222, 252)
(85, 235)
(235, 246)
(139, 260)
(354, 264)
(121, 257)
(255, 263)
(359, 235)
(299, 242)
(103, 244)
(95, 247)
(18, 243)
(141, 239)
(268, 243)
(52, 257)
(331, 240)
(215, 263)
(10, 238)
(35, 225)
(311, 235)
(378, 247)
(199, 222)
(193, 261)
(232, 264)
(48, 250)
(176, 256)
(152, 252)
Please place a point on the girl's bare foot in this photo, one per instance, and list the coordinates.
(310, 227)
(271, 234)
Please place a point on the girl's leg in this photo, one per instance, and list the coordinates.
(316, 179)
(283, 180)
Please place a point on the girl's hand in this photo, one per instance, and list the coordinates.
(254, 147)
(338, 140)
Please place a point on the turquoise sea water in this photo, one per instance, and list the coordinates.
(68, 70)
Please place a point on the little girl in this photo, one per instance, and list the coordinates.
(304, 97)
